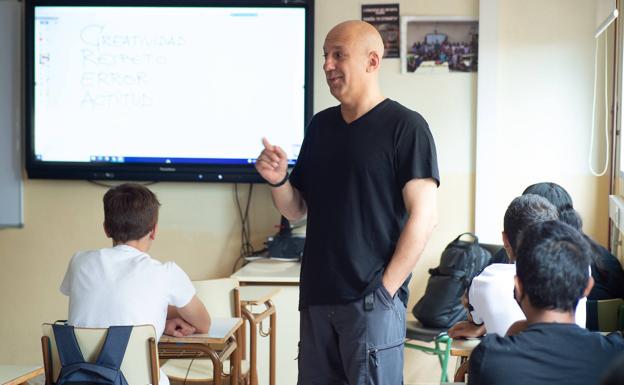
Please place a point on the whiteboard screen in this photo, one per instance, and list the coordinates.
(167, 85)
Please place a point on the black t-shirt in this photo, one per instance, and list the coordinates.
(544, 354)
(351, 177)
(608, 276)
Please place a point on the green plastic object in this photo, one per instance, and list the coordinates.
(443, 352)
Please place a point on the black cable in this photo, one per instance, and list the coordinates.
(246, 249)
(115, 185)
(236, 264)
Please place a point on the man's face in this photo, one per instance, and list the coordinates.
(345, 67)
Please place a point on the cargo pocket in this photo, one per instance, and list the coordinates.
(385, 364)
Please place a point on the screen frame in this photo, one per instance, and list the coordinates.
(198, 172)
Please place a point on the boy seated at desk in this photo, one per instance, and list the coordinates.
(552, 275)
(490, 296)
(123, 285)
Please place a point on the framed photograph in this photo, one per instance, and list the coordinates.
(384, 17)
(439, 44)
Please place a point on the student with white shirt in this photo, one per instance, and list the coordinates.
(492, 306)
(123, 285)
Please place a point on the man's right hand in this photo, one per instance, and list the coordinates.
(466, 329)
(272, 163)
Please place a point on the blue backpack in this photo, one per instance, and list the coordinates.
(105, 370)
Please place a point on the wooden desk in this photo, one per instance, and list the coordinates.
(463, 348)
(15, 374)
(250, 295)
(254, 296)
(269, 272)
(217, 345)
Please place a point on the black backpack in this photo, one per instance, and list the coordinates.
(461, 261)
(104, 371)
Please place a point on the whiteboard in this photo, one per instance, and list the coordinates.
(11, 212)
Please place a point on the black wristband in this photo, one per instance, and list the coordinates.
(280, 183)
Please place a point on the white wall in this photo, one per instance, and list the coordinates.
(540, 95)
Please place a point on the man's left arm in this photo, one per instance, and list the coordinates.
(420, 197)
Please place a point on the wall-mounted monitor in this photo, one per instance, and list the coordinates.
(164, 89)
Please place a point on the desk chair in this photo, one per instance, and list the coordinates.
(221, 298)
(605, 315)
(417, 332)
(140, 363)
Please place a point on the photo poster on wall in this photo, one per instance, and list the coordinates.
(439, 44)
(385, 17)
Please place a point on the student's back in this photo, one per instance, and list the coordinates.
(123, 286)
(544, 353)
(552, 274)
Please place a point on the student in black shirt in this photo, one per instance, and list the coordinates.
(552, 275)
(367, 178)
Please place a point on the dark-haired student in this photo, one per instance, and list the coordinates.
(605, 268)
(123, 285)
(490, 295)
(552, 275)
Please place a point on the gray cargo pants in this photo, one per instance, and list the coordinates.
(359, 343)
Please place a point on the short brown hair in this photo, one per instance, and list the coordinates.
(130, 212)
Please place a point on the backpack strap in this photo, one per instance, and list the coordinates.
(89, 374)
(67, 345)
(114, 348)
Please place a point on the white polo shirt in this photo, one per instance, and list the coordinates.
(123, 286)
(491, 295)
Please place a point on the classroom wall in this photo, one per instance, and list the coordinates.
(199, 227)
(542, 103)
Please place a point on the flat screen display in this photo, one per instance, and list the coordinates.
(178, 91)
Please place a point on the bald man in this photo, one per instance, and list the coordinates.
(367, 178)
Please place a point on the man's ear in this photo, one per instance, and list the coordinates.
(590, 285)
(106, 230)
(152, 234)
(373, 61)
(518, 290)
(507, 246)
